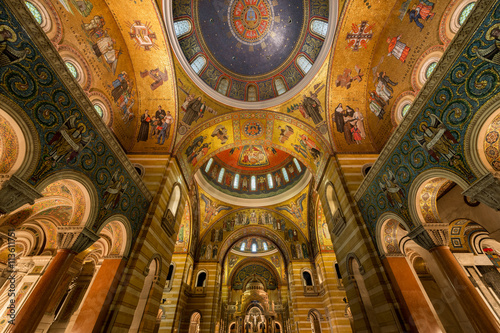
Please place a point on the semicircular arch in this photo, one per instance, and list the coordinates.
(225, 132)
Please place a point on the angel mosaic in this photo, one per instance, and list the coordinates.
(394, 193)
(114, 191)
(211, 209)
(295, 208)
(492, 52)
(8, 54)
(438, 142)
(65, 145)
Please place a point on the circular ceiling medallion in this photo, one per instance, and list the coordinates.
(251, 20)
(251, 54)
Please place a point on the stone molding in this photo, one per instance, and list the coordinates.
(75, 238)
(15, 193)
(485, 190)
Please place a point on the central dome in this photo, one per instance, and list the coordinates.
(250, 50)
(250, 40)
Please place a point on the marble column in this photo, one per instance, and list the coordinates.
(71, 240)
(96, 305)
(415, 307)
(435, 239)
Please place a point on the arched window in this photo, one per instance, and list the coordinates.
(198, 64)
(72, 69)
(223, 85)
(264, 245)
(200, 281)
(430, 68)
(251, 93)
(280, 86)
(242, 247)
(236, 181)
(332, 199)
(339, 276)
(170, 275)
(209, 164)
(99, 110)
(221, 174)
(405, 109)
(253, 183)
(175, 199)
(315, 325)
(254, 247)
(465, 13)
(297, 165)
(182, 28)
(304, 64)
(307, 277)
(144, 296)
(189, 275)
(270, 181)
(35, 12)
(319, 27)
(285, 175)
(194, 323)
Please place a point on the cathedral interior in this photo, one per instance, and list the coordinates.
(238, 166)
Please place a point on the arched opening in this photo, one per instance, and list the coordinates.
(314, 320)
(170, 276)
(194, 323)
(201, 279)
(307, 278)
(144, 295)
(175, 199)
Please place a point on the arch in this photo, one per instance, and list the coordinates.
(201, 278)
(383, 239)
(122, 234)
(25, 130)
(475, 136)
(223, 86)
(421, 72)
(332, 199)
(255, 261)
(366, 168)
(401, 107)
(81, 72)
(182, 28)
(175, 199)
(251, 93)
(314, 316)
(318, 27)
(348, 260)
(420, 181)
(307, 277)
(253, 230)
(170, 276)
(151, 277)
(304, 64)
(85, 184)
(199, 63)
(279, 85)
(99, 99)
(195, 322)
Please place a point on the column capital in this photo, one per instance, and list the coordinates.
(430, 235)
(15, 193)
(485, 190)
(75, 238)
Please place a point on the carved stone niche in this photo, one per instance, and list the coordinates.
(168, 223)
(485, 190)
(339, 223)
(15, 193)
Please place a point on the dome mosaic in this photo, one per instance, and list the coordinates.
(250, 50)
